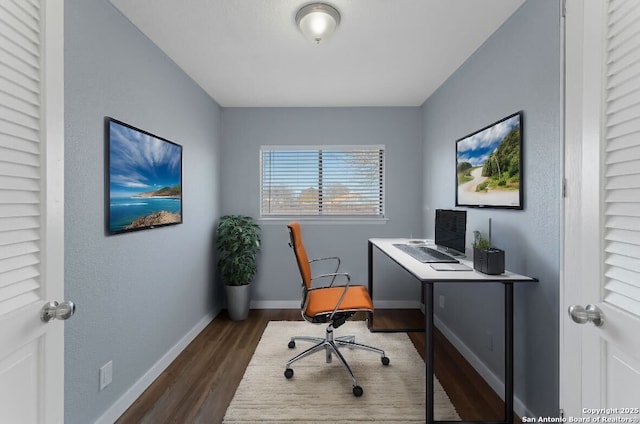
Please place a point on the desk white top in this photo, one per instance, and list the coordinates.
(424, 272)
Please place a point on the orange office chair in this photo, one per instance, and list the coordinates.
(332, 304)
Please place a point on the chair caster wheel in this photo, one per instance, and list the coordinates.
(385, 360)
(289, 373)
(357, 391)
(292, 344)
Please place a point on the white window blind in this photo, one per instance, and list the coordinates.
(322, 181)
(622, 158)
(19, 154)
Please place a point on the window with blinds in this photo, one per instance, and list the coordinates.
(335, 181)
(621, 197)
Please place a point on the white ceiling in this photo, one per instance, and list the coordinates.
(249, 53)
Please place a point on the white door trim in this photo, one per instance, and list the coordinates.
(53, 201)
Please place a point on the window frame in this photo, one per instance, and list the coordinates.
(320, 217)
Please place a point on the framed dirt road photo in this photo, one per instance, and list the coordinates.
(489, 166)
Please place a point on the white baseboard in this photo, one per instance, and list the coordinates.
(126, 400)
(295, 304)
(397, 304)
(481, 368)
(275, 304)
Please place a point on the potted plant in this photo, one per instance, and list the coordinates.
(487, 259)
(238, 243)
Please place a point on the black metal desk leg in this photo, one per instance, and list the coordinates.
(508, 352)
(370, 282)
(428, 349)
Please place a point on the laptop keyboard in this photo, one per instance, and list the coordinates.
(426, 254)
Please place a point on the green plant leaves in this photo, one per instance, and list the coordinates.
(238, 241)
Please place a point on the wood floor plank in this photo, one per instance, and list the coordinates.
(200, 383)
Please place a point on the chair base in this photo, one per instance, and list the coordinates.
(331, 346)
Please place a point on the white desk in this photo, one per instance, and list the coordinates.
(428, 276)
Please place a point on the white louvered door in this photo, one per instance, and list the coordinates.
(31, 210)
(619, 289)
(602, 234)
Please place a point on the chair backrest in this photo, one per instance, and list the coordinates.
(295, 233)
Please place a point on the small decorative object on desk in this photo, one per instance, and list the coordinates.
(487, 259)
(417, 241)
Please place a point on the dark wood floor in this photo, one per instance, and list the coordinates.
(198, 386)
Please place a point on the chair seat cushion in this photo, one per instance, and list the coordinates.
(324, 300)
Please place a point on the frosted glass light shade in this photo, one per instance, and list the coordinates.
(318, 21)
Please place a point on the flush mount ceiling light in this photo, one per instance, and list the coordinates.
(318, 21)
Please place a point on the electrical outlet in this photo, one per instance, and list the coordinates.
(106, 375)
(441, 301)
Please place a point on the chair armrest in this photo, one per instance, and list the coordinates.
(333, 276)
(334, 258)
(344, 291)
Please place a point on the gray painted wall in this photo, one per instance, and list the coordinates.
(246, 129)
(137, 294)
(518, 68)
(133, 305)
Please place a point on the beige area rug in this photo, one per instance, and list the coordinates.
(321, 392)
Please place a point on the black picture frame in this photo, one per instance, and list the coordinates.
(489, 162)
(143, 181)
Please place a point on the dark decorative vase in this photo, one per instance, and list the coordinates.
(488, 261)
(238, 301)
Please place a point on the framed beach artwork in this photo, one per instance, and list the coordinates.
(489, 166)
(144, 179)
